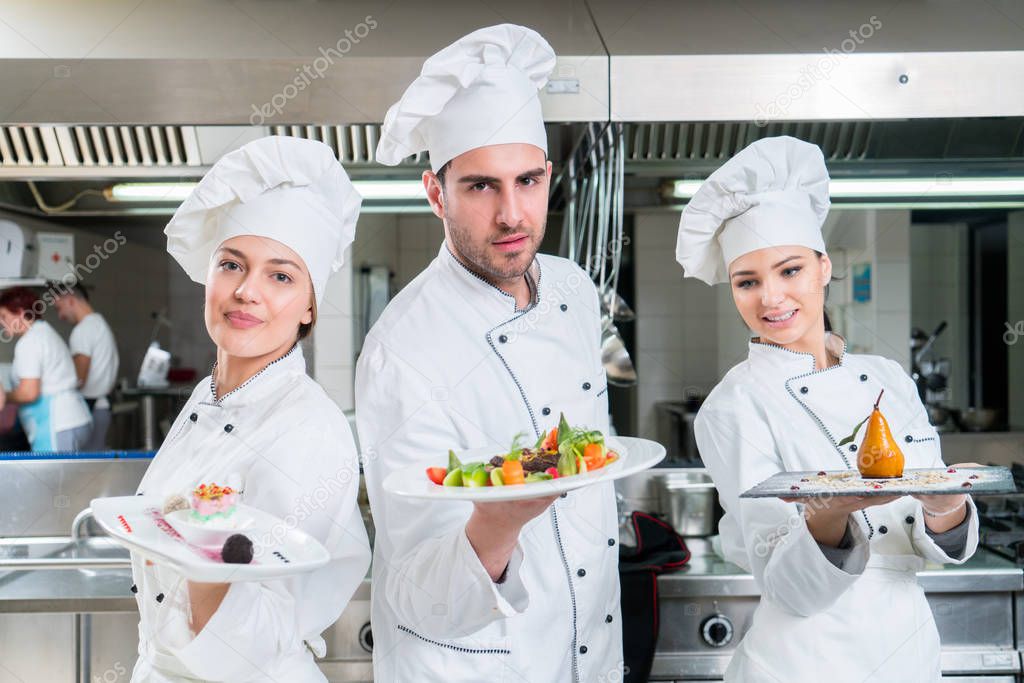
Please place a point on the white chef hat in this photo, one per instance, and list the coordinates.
(772, 193)
(288, 189)
(481, 90)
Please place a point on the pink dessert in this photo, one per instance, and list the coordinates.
(211, 502)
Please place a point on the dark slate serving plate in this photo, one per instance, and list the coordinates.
(939, 481)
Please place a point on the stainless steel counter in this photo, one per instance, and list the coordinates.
(709, 575)
(107, 589)
(93, 589)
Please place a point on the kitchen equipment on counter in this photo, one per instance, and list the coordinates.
(931, 375)
(1001, 520)
(939, 417)
(706, 609)
(155, 364)
(688, 501)
(675, 430)
(975, 419)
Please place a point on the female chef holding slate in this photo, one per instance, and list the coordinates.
(838, 584)
(263, 230)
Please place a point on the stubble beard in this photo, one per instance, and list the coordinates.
(504, 268)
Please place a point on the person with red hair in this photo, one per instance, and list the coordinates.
(52, 412)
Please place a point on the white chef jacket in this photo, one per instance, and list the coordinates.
(869, 621)
(41, 354)
(287, 447)
(452, 363)
(92, 337)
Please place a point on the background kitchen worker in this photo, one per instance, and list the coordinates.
(51, 410)
(94, 352)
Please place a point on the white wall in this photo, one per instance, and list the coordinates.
(677, 349)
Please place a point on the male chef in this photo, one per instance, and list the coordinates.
(490, 341)
(94, 352)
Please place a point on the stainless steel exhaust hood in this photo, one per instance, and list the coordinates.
(277, 62)
(162, 90)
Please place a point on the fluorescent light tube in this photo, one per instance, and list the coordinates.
(938, 188)
(383, 190)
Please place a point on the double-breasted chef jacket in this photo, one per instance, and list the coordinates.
(287, 447)
(452, 364)
(869, 620)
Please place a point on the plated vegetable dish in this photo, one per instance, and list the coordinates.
(565, 451)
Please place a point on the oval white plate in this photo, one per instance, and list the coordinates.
(280, 549)
(635, 455)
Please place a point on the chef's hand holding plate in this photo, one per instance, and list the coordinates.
(942, 513)
(493, 529)
(827, 518)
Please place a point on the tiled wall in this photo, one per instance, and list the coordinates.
(677, 323)
(405, 243)
(880, 239)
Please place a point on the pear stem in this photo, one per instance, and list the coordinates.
(879, 398)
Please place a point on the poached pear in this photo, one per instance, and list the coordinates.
(879, 456)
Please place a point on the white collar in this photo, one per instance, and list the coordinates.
(799, 360)
(259, 384)
(497, 297)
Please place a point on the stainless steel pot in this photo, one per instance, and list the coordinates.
(688, 501)
(976, 419)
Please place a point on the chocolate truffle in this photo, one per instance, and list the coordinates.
(237, 549)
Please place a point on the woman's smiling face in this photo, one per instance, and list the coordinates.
(780, 292)
(258, 292)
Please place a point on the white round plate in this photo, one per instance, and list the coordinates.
(280, 550)
(635, 455)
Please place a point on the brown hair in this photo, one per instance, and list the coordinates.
(20, 301)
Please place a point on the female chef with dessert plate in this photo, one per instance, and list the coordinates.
(263, 230)
(838, 580)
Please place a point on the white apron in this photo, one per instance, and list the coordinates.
(287, 447)
(869, 622)
(452, 364)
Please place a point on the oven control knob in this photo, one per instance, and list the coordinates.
(717, 630)
(366, 637)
